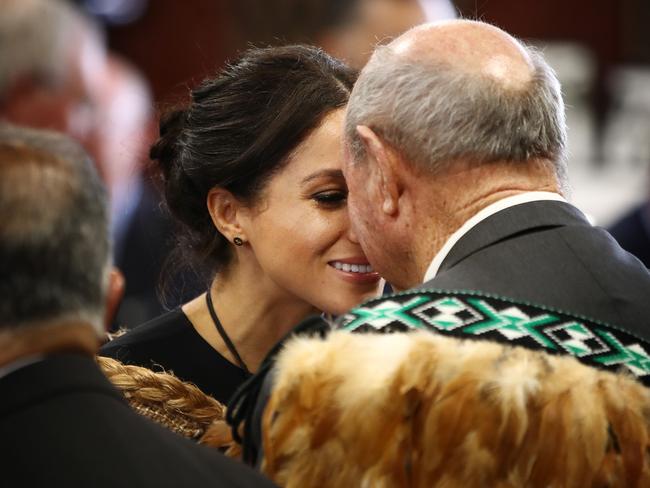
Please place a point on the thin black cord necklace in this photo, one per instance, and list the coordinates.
(231, 347)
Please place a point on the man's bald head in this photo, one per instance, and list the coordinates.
(473, 47)
(456, 90)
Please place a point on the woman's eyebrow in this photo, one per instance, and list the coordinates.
(329, 173)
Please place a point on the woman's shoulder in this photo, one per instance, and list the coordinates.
(170, 343)
(159, 333)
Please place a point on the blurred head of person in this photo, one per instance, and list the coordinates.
(370, 22)
(52, 62)
(347, 29)
(124, 116)
(449, 117)
(252, 171)
(54, 245)
(55, 73)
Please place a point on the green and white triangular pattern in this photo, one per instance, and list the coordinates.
(386, 313)
(576, 339)
(449, 313)
(474, 316)
(632, 356)
(512, 323)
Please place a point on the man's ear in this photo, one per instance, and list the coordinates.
(224, 209)
(383, 158)
(114, 294)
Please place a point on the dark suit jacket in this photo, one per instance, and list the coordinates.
(633, 233)
(63, 425)
(547, 253)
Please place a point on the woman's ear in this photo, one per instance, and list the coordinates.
(225, 209)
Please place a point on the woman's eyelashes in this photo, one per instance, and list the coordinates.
(330, 198)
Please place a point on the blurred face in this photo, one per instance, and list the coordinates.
(376, 21)
(300, 232)
(122, 112)
(70, 105)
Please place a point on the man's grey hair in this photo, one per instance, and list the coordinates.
(434, 114)
(36, 37)
(54, 244)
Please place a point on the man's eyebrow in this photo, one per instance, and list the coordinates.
(323, 173)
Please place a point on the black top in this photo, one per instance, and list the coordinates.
(171, 343)
(62, 424)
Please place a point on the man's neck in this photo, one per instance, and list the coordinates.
(47, 339)
(486, 212)
(463, 193)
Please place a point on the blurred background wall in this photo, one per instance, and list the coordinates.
(600, 48)
(601, 51)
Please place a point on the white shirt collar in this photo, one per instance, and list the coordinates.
(532, 196)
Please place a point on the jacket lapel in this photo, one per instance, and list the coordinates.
(517, 220)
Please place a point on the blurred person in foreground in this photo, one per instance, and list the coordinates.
(61, 421)
(55, 73)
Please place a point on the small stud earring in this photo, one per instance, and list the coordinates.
(238, 241)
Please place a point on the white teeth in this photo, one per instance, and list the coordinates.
(353, 268)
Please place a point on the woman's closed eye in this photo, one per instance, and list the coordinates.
(330, 198)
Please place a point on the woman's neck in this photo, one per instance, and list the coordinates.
(253, 310)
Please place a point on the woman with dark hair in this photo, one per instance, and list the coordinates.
(252, 171)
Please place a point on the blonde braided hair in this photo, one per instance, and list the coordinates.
(178, 405)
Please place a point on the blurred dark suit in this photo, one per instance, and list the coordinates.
(61, 410)
(632, 232)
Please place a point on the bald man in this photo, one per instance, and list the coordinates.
(456, 166)
(456, 170)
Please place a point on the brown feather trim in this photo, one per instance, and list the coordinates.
(422, 410)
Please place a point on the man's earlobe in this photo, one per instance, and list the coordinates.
(114, 294)
(389, 206)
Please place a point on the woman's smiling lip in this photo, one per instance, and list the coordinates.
(351, 260)
(355, 270)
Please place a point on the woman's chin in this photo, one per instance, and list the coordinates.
(344, 306)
